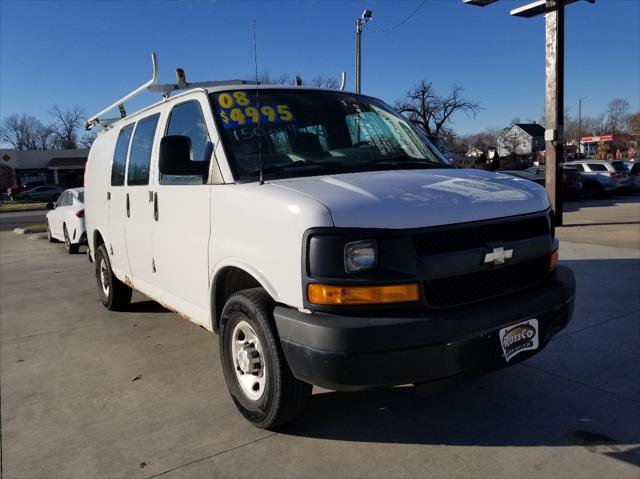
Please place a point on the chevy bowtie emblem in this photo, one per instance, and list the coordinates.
(498, 256)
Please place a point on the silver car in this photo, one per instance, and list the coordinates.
(603, 176)
(41, 193)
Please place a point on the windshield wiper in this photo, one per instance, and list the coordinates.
(405, 161)
(297, 165)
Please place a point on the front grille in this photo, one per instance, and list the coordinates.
(468, 288)
(458, 238)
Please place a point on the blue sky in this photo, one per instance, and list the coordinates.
(89, 53)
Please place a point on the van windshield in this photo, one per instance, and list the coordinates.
(306, 133)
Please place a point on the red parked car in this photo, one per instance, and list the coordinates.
(24, 187)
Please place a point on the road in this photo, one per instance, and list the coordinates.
(15, 219)
(91, 393)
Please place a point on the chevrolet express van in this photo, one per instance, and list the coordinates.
(324, 239)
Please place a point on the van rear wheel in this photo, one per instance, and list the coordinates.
(256, 372)
(114, 294)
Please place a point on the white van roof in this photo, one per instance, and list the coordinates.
(182, 85)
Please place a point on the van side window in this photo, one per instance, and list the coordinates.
(120, 156)
(186, 119)
(140, 156)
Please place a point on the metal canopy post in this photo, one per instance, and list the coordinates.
(554, 110)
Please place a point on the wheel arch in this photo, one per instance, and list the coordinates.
(229, 279)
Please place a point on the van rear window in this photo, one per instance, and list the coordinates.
(120, 156)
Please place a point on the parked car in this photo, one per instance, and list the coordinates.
(41, 193)
(29, 185)
(634, 171)
(526, 175)
(65, 221)
(571, 181)
(600, 177)
(324, 238)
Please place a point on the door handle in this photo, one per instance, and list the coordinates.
(128, 207)
(155, 206)
(108, 195)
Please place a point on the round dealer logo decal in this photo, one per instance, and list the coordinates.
(518, 338)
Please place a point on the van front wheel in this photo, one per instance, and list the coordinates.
(114, 294)
(256, 372)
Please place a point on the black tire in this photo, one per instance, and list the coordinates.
(71, 247)
(49, 237)
(284, 397)
(118, 294)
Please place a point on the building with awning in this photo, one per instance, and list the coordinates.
(55, 167)
(68, 172)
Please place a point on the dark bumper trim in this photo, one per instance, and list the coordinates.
(349, 353)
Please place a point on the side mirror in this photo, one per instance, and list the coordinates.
(175, 157)
(50, 206)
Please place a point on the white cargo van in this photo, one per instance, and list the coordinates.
(323, 238)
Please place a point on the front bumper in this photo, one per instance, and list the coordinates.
(343, 352)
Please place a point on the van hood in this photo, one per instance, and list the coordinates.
(419, 198)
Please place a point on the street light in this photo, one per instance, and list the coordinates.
(580, 122)
(364, 18)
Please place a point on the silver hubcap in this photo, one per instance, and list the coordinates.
(104, 277)
(248, 360)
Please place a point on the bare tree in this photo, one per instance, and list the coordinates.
(266, 78)
(66, 125)
(434, 113)
(88, 138)
(24, 132)
(322, 81)
(616, 114)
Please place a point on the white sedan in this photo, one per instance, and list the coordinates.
(65, 221)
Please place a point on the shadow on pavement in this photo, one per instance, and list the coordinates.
(571, 206)
(577, 392)
(148, 306)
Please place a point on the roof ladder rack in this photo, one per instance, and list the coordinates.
(151, 85)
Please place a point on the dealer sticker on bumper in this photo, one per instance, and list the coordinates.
(518, 338)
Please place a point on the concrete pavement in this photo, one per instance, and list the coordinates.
(14, 219)
(90, 393)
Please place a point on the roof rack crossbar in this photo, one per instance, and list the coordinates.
(165, 90)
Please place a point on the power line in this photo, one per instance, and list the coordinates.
(398, 25)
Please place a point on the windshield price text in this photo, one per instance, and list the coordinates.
(236, 109)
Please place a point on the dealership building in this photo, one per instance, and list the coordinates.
(56, 167)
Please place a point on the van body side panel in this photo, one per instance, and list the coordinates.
(180, 249)
(140, 223)
(263, 226)
(97, 184)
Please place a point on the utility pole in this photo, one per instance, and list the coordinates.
(580, 123)
(366, 16)
(554, 111)
(554, 134)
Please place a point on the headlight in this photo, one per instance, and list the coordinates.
(360, 256)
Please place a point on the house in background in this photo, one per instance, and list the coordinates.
(520, 143)
(56, 167)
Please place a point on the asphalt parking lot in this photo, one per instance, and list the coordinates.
(91, 393)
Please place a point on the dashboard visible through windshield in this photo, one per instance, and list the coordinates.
(287, 133)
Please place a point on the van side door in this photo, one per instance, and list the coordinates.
(119, 207)
(183, 217)
(139, 194)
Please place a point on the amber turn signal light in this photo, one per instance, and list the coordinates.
(343, 295)
(553, 262)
